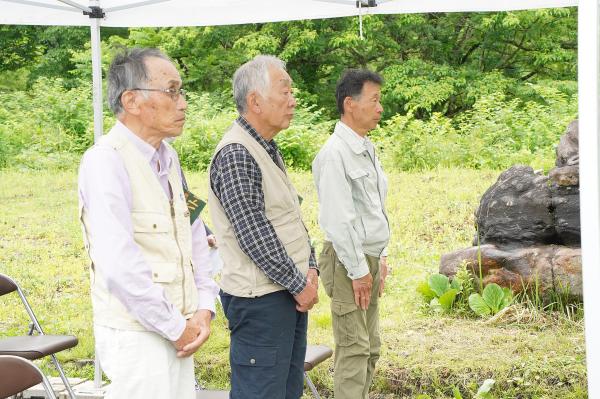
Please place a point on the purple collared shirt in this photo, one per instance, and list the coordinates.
(105, 194)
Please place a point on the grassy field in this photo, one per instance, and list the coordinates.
(431, 213)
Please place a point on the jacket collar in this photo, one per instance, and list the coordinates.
(356, 143)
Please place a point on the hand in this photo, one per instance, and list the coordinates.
(313, 277)
(384, 270)
(306, 299)
(212, 241)
(362, 291)
(197, 331)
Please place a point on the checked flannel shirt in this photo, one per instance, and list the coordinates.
(236, 180)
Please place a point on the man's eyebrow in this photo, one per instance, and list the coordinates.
(286, 80)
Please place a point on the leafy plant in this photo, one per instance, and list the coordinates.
(491, 301)
(440, 292)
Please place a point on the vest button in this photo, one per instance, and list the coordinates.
(154, 226)
(155, 274)
(252, 361)
(186, 214)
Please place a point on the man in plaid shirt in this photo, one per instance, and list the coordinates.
(269, 279)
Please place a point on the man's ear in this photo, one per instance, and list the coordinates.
(348, 105)
(130, 102)
(253, 101)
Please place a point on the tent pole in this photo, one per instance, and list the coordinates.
(96, 74)
(589, 171)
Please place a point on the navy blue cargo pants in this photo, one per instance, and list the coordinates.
(268, 345)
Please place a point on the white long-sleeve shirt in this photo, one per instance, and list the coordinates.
(352, 189)
(105, 193)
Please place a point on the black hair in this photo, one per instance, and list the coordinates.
(351, 84)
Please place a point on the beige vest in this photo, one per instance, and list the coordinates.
(240, 275)
(161, 230)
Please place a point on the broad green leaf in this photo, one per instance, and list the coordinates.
(508, 297)
(493, 296)
(438, 283)
(485, 388)
(435, 305)
(456, 284)
(423, 289)
(478, 305)
(447, 299)
(456, 393)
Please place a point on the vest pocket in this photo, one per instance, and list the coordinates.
(150, 222)
(163, 272)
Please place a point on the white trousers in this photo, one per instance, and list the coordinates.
(143, 365)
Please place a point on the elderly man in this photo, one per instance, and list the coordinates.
(269, 277)
(152, 297)
(352, 189)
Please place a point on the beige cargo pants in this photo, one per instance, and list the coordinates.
(355, 331)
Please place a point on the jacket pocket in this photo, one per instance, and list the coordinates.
(360, 193)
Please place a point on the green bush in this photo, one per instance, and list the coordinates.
(49, 127)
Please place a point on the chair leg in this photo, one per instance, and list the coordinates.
(97, 372)
(48, 387)
(64, 378)
(312, 387)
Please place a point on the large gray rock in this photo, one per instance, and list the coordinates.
(547, 267)
(516, 210)
(567, 223)
(567, 151)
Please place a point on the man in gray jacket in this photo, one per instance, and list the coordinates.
(352, 189)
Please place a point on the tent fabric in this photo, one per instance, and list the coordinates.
(228, 12)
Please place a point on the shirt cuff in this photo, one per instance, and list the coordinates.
(173, 334)
(207, 302)
(361, 270)
(297, 284)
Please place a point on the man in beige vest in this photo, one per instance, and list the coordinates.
(269, 277)
(152, 297)
(352, 189)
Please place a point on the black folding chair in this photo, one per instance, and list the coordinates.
(18, 374)
(32, 346)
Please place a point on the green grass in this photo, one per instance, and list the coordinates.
(431, 213)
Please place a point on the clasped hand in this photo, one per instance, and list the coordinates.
(196, 332)
(309, 296)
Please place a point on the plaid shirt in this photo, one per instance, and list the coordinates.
(236, 180)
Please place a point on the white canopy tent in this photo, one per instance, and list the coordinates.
(163, 13)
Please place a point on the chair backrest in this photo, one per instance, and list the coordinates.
(7, 284)
(18, 374)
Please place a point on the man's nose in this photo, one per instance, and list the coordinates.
(292, 101)
(182, 103)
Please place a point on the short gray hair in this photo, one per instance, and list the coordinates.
(127, 71)
(253, 76)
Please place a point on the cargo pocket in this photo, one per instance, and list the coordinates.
(253, 356)
(327, 268)
(345, 325)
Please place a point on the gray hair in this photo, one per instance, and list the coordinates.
(253, 76)
(127, 71)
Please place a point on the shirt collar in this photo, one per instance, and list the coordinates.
(148, 152)
(270, 146)
(356, 142)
